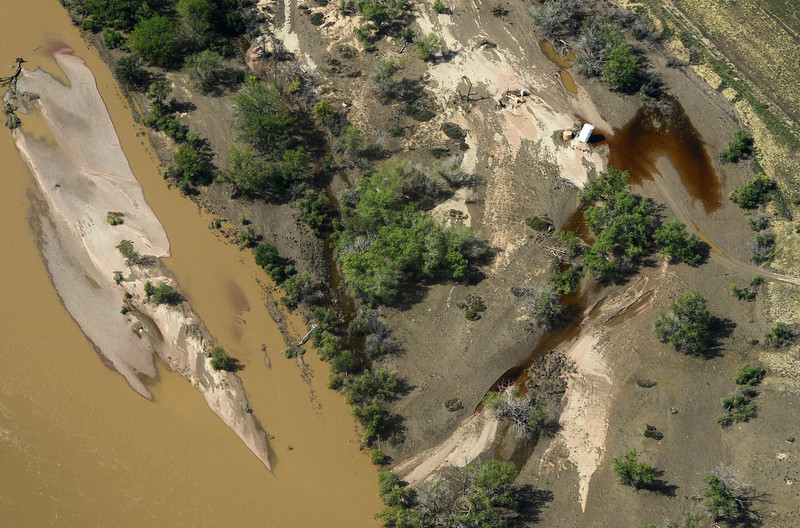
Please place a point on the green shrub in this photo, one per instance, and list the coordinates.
(315, 210)
(539, 224)
(743, 294)
(344, 361)
(114, 220)
(317, 19)
(633, 473)
(750, 375)
(737, 408)
(621, 68)
(652, 432)
(754, 192)
(723, 500)
(676, 244)
(379, 458)
(498, 10)
(763, 247)
(130, 71)
(162, 294)
(740, 148)
(779, 336)
(204, 69)
(335, 381)
(428, 45)
(567, 281)
(688, 326)
(126, 248)
(220, 360)
(112, 39)
(439, 7)
(267, 257)
(571, 241)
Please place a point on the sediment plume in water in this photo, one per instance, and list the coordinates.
(84, 177)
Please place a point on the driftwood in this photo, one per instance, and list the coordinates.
(468, 98)
(487, 43)
(8, 81)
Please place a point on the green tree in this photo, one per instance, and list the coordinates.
(130, 71)
(620, 68)
(220, 360)
(197, 17)
(428, 45)
(689, 324)
(676, 244)
(352, 140)
(192, 164)
(158, 93)
(725, 497)
(633, 473)
(754, 192)
(204, 69)
(263, 118)
(495, 481)
(740, 148)
(155, 39)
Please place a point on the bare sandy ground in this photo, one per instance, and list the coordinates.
(84, 176)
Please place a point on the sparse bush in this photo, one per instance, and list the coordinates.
(758, 223)
(688, 326)
(743, 294)
(633, 473)
(750, 375)
(126, 248)
(740, 148)
(556, 17)
(763, 247)
(352, 140)
(544, 306)
(453, 405)
(779, 336)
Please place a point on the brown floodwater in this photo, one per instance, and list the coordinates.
(665, 131)
(563, 63)
(78, 447)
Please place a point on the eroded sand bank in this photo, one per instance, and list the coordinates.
(84, 175)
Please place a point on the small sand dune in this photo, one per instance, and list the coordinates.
(83, 177)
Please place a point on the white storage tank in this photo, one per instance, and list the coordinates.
(586, 133)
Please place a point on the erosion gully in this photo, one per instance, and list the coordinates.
(78, 446)
(655, 132)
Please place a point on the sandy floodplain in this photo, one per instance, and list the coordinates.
(84, 176)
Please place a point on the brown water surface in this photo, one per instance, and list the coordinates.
(564, 63)
(78, 447)
(665, 131)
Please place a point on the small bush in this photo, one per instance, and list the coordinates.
(743, 294)
(750, 375)
(567, 281)
(317, 19)
(652, 432)
(114, 220)
(428, 45)
(763, 247)
(439, 7)
(740, 148)
(130, 72)
(162, 294)
(753, 193)
(498, 10)
(126, 248)
(539, 223)
(737, 408)
(378, 457)
(758, 223)
(688, 326)
(220, 360)
(453, 405)
(111, 38)
(633, 473)
(779, 336)
(335, 381)
(544, 306)
(646, 383)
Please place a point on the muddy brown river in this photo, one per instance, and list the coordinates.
(78, 447)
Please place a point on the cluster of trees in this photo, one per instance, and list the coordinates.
(387, 241)
(161, 33)
(161, 294)
(271, 163)
(487, 498)
(603, 46)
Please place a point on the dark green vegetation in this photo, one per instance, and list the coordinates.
(428, 46)
(376, 17)
(763, 247)
(726, 497)
(740, 148)
(487, 498)
(748, 293)
(388, 242)
(633, 473)
(754, 192)
(688, 326)
(737, 407)
(539, 224)
(126, 248)
(220, 360)
(161, 294)
(472, 305)
(627, 228)
(651, 432)
(750, 375)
